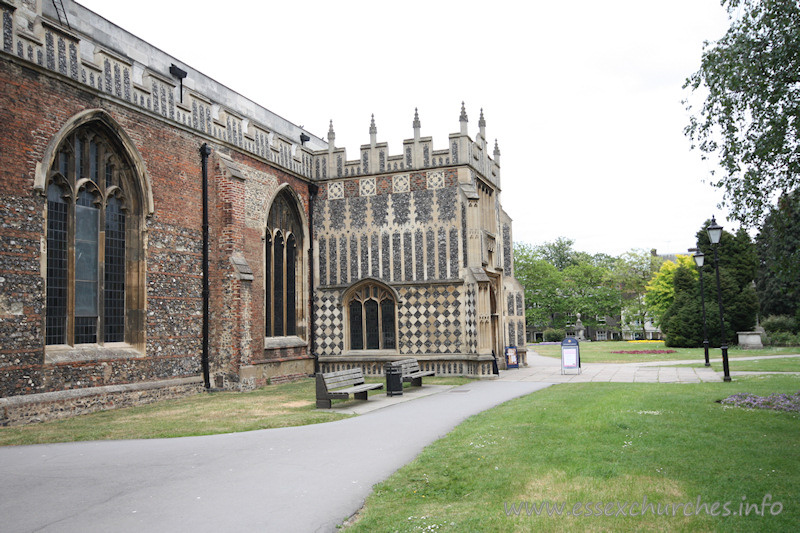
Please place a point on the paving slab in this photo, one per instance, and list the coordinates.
(548, 370)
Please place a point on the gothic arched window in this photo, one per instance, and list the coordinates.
(92, 232)
(283, 272)
(371, 310)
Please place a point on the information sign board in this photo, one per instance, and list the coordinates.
(570, 356)
(511, 357)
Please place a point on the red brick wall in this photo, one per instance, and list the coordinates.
(34, 106)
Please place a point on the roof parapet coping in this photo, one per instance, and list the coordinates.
(418, 153)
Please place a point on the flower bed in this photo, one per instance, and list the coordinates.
(644, 351)
(778, 402)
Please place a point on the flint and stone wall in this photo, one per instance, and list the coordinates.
(50, 74)
(406, 220)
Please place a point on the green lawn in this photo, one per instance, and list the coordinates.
(610, 443)
(600, 352)
(290, 404)
(788, 364)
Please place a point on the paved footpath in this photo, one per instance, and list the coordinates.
(548, 370)
(302, 479)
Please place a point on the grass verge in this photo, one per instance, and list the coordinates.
(788, 364)
(601, 352)
(609, 443)
(284, 405)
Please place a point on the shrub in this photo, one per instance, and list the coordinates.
(554, 335)
(783, 338)
(776, 323)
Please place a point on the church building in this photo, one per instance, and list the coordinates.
(161, 234)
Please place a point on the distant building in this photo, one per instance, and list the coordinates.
(634, 331)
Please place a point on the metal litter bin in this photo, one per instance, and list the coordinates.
(394, 379)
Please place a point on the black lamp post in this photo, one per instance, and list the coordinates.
(714, 235)
(699, 258)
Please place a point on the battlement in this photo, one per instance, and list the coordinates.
(418, 153)
(78, 44)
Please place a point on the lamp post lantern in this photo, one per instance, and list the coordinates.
(714, 235)
(699, 259)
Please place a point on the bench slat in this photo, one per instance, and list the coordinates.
(410, 371)
(340, 384)
(341, 380)
(359, 388)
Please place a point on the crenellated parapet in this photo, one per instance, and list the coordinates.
(80, 45)
(418, 154)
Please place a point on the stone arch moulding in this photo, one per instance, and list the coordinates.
(297, 203)
(102, 116)
(363, 281)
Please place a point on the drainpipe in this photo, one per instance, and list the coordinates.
(312, 193)
(205, 151)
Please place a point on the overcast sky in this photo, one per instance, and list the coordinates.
(583, 97)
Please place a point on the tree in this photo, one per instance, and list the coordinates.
(543, 286)
(590, 290)
(584, 284)
(750, 115)
(558, 253)
(634, 270)
(661, 288)
(682, 322)
(778, 248)
(737, 267)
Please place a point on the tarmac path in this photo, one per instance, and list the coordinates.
(298, 479)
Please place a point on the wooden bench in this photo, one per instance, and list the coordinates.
(339, 385)
(411, 372)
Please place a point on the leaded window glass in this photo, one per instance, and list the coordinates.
(88, 225)
(387, 323)
(268, 286)
(115, 272)
(371, 324)
(277, 281)
(356, 326)
(57, 271)
(87, 234)
(291, 301)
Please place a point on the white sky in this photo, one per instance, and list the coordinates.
(583, 96)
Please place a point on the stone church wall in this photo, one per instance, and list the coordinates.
(49, 75)
(402, 229)
(407, 221)
(173, 243)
